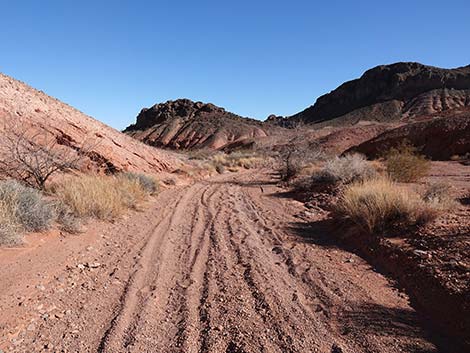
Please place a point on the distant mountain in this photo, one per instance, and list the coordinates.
(402, 91)
(184, 124)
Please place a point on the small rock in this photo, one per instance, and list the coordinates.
(31, 327)
(40, 287)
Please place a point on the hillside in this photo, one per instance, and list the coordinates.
(183, 124)
(111, 150)
(400, 91)
(440, 138)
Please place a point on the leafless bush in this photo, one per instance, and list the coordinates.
(295, 157)
(32, 156)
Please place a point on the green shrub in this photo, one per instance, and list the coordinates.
(404, 164)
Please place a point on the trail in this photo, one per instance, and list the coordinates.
(223, 266)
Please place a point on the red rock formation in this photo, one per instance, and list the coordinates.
(390, 93)
(112, 149)
(184, 124)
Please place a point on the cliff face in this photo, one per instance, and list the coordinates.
(112, 150)
(183, 124)
(393, 91)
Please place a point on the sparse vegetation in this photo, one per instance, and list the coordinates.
(380, 205)
(22, 209)
(33, 156)
(344, 170)
(439, 195)
(405, 164)
(233, 161)
(102, 197)
(147, 182)
(296, 157)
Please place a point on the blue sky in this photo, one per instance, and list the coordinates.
(111, 58)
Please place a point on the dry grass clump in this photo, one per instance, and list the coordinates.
(102, 197)
(232, 161)
(405, 165)
(380, 205)
(345, 170)
(22, 209)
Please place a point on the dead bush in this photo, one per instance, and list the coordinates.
(380, 205)
(32, 156)
(405, 164)
(295, 157)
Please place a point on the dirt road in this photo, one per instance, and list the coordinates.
(219, 266)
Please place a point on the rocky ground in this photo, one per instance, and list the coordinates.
(225, 265)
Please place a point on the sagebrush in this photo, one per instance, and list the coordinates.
(345, 170)
(22, 209)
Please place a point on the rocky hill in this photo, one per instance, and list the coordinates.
(184, 124)
(110, 149)
(439, 138)
(400, 91)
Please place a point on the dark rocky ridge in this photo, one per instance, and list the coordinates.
(186, 124)
(390, 89)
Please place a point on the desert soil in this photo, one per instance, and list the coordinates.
(217, 266)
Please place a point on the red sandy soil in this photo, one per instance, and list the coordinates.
(217, 266)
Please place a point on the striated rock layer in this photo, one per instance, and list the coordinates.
(393, 92)
(184, 124)
(111, 150)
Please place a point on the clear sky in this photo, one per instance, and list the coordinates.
(111, 58)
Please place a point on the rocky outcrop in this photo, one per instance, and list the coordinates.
(184, 124)
(439, 138)
(390, 93)
(110, 149)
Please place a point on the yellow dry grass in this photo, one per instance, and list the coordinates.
(380, 205)
(102, 197)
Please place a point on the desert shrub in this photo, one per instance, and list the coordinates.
(33, 212)
(10, 229)
(102, 197)
(440, 195)
(240, 159)
(345, 170)
(405, 164)
(22, 209)
(295, 157)
(380, 205)
(66, 218)
(148, 183)
(220, 168)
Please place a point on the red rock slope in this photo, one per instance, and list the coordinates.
(112, 149)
